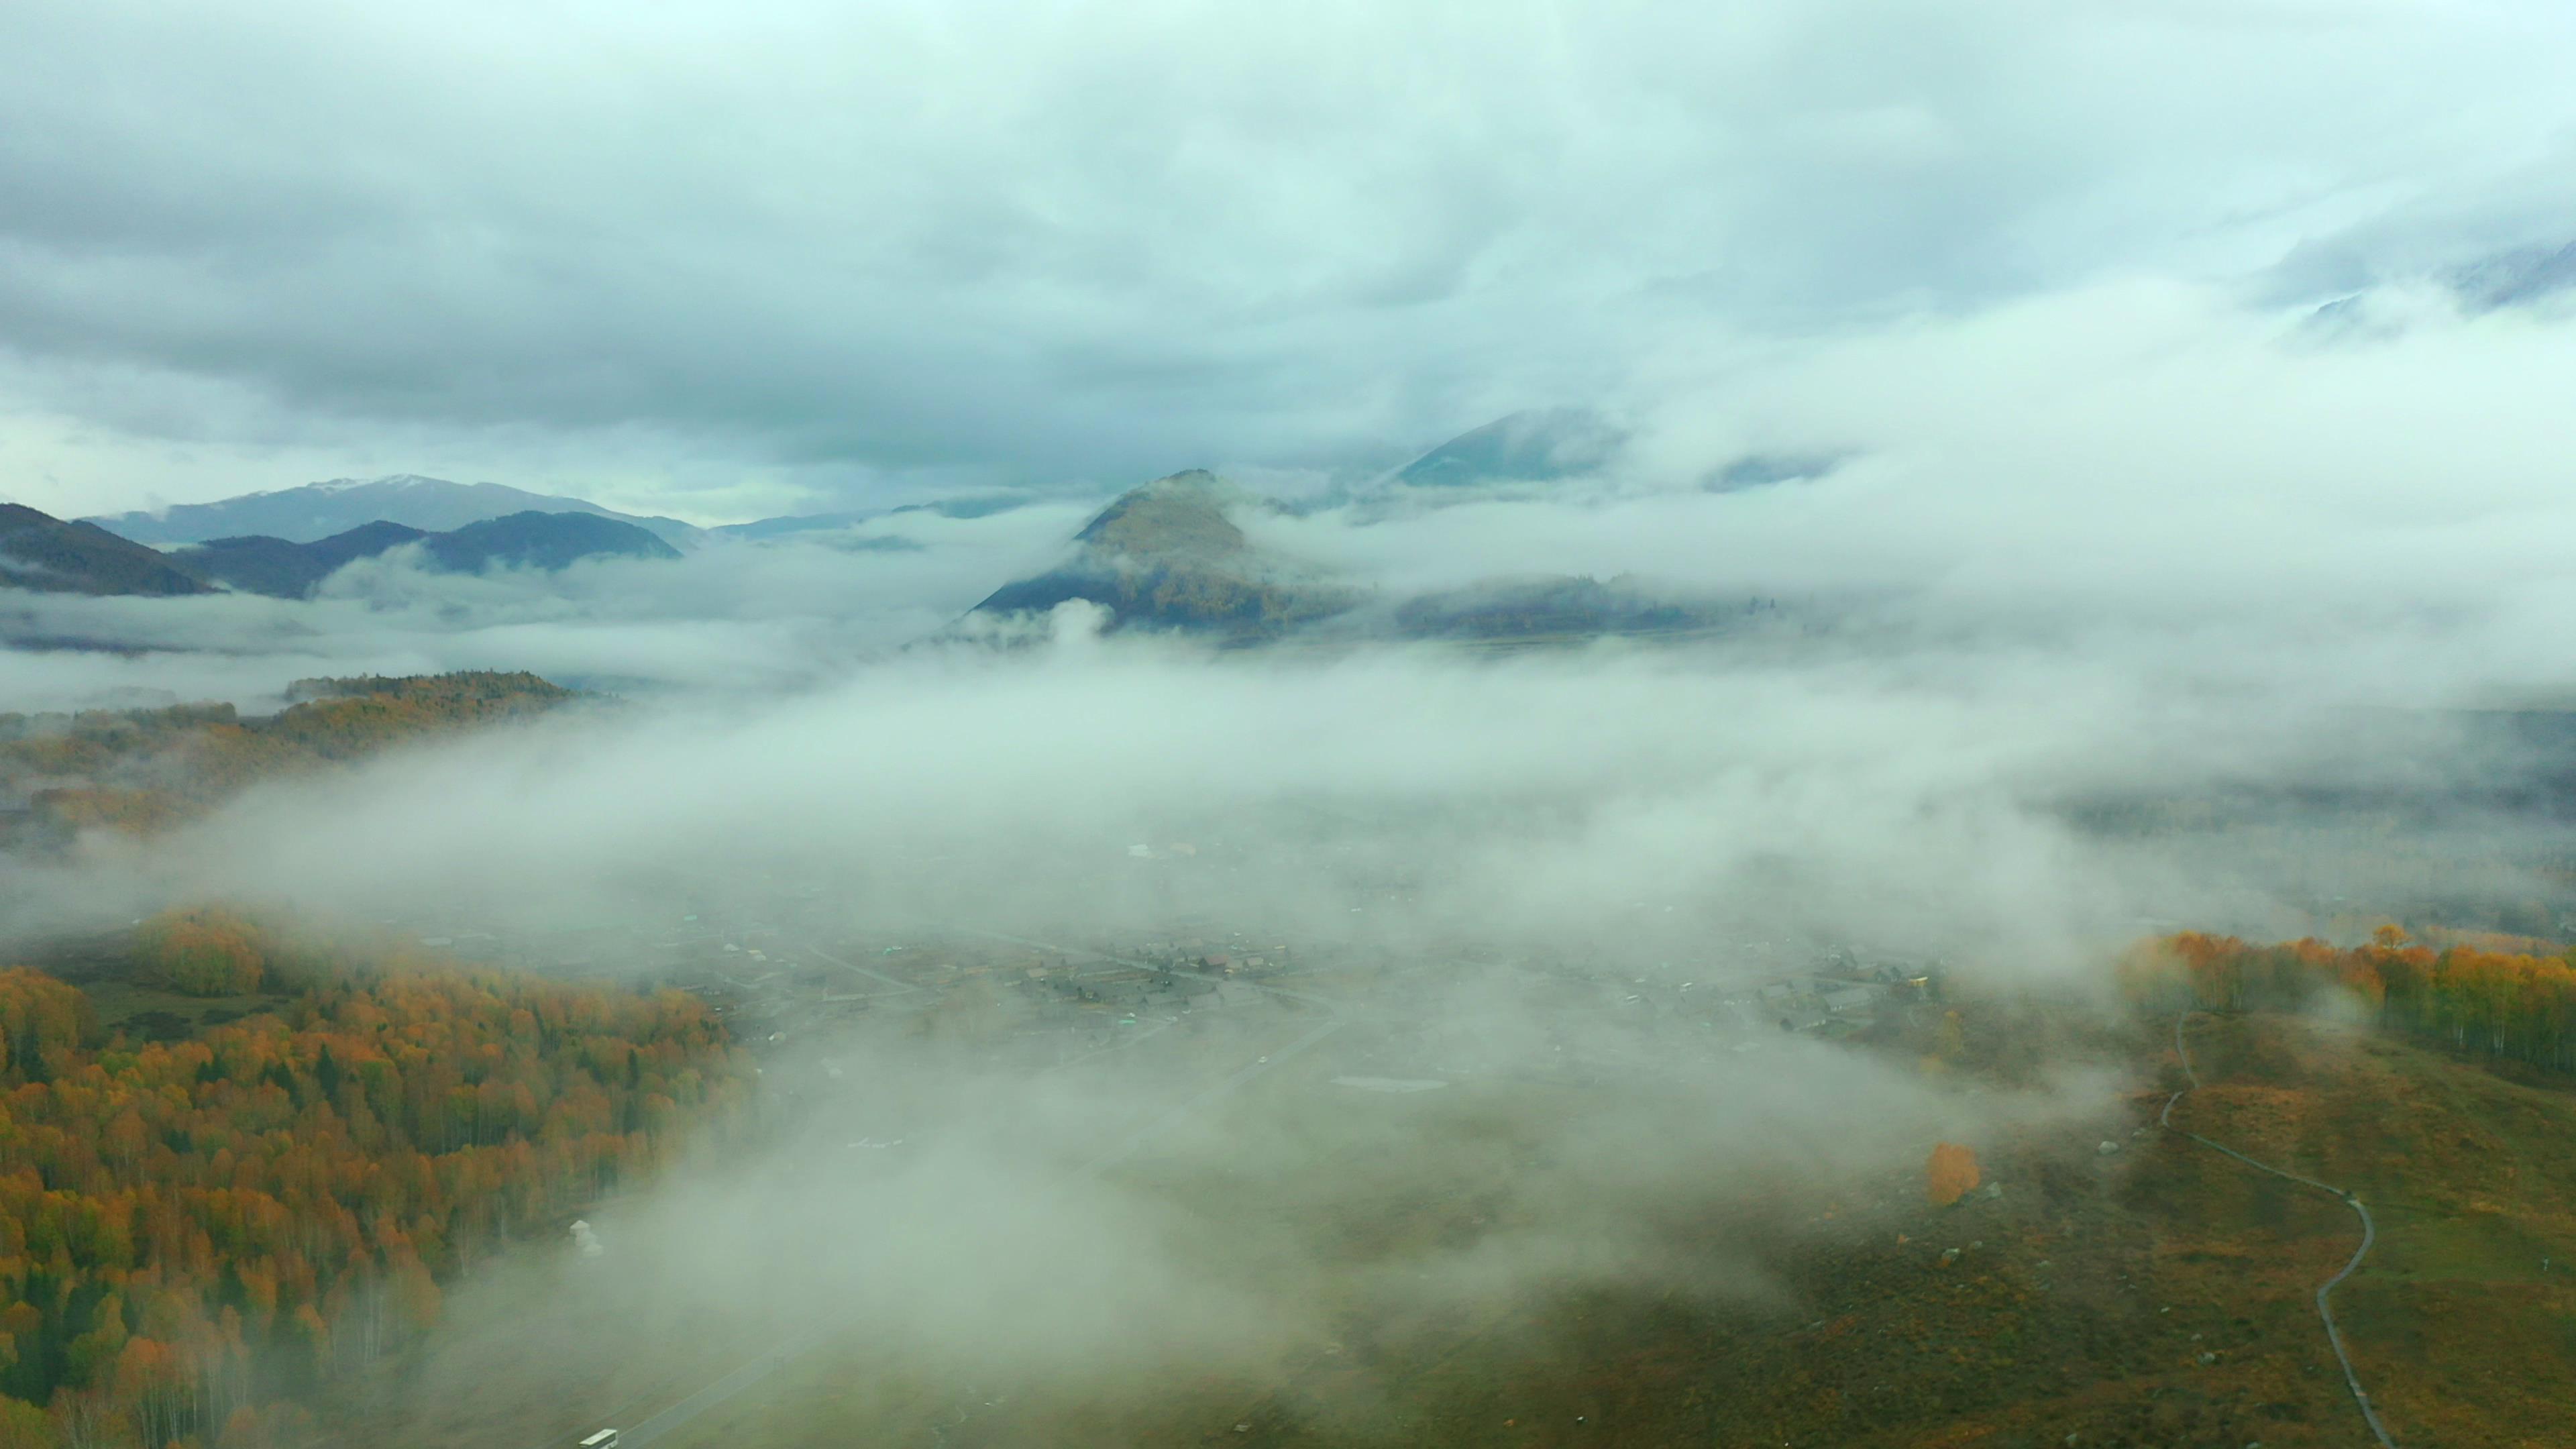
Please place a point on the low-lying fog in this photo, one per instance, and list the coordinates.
(2089, 566)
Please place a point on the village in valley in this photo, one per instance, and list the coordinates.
(792, 973)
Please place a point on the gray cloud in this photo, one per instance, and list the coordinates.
(994, 241)
(2199, 492)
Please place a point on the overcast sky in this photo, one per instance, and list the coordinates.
(725, 260)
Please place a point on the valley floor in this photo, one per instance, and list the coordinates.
(2157, 1295)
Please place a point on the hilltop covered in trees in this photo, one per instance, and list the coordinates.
(194, 1233)
(2492, 1000)
(143, 770)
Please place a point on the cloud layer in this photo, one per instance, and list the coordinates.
(687, 259)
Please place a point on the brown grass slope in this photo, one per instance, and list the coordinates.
(2461, 1335)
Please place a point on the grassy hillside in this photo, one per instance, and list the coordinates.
(1166, 556)
(2460, 1333)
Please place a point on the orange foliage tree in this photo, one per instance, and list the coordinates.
(206, 952)
(1950, 1175)
(2508, 1005)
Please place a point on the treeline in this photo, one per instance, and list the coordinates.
(2508, 1005)
(194, 1233)
(146, 769)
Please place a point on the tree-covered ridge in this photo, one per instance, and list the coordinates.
(54, 555)
(193, 1233)
(351, 718)
(2505, 1005)
(142, 770)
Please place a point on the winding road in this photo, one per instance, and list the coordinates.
(2369, 1234)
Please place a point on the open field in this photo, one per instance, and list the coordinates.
(134, 1003)
(2461, 1333)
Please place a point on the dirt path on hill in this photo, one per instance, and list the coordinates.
(2369, 1234)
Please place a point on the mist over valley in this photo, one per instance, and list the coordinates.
(1816, 726)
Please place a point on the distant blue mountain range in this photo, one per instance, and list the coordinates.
(317, 511)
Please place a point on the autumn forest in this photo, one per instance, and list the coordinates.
(195, 1233)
